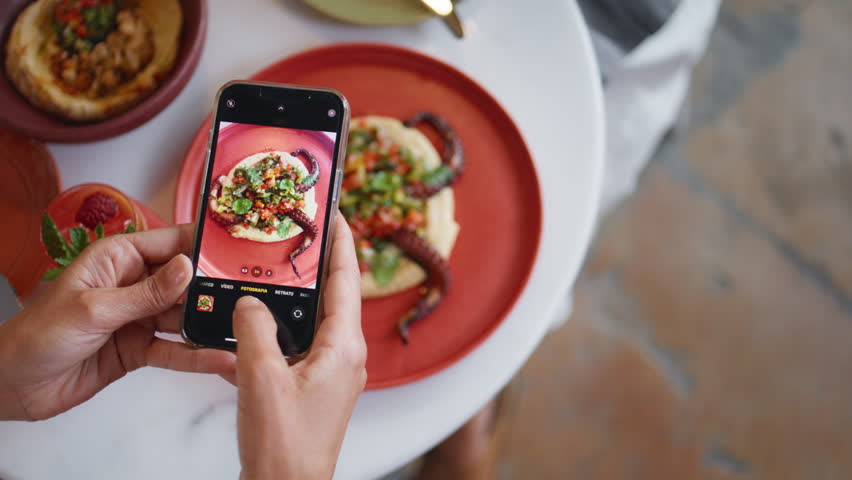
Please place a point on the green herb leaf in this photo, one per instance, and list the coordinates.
(384, 265)
(79, 238)
(52, 273)
(383, 181)
(99, 231)
(284, 227)
(438, 176)
(64, 262)
(131, 227)
(241, 206)
(286, 184)
(308, 179)
(53, 241)
(253, 175)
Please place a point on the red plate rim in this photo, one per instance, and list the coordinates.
(183, 197)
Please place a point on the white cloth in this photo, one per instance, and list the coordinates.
(643, 96)
(645, 93)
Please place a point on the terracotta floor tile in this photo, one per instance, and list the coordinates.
(782, 152)
(712, 332)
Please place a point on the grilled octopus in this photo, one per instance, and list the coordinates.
(416, 248)
(308, 226)
(452, 158)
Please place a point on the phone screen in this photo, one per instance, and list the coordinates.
(267, 199)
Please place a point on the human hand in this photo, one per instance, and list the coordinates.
(96, 322)
(291, 419)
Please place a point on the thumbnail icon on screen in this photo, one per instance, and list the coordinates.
(205, 303)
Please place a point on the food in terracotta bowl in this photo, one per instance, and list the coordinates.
(397, 198)
(81, 215)
(89, 60)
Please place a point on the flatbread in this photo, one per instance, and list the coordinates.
(256, 234)
(29, 68)
(441, 228)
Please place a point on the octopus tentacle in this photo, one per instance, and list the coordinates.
(453, 157)
(311, 231)
(224, 218)
(311, 179)
(437, 276)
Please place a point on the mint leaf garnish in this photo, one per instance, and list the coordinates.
(52, 273)
(60, 250)
(79, 238)
(64, 262)
(53, 241)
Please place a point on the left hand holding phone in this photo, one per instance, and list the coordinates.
(97, 321)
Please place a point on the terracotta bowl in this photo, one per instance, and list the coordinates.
(19, 115)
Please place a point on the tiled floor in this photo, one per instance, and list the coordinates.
(712, 332)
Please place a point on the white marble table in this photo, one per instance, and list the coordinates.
(155, 424)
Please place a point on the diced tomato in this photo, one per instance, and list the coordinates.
(258, 204)
(364, 244)
(353, 181)
(383, 222)
(413, 220)
(300, 204)
(357, 226)
(401, 168)
(393, 150)
(363, 266)
(370, 159)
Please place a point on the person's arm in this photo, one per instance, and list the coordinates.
(96, 322)
(291, 419)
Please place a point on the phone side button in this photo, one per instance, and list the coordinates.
(337, 188)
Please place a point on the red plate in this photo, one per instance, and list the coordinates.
(498, 203)
(235, 143)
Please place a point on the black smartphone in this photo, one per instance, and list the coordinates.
(266, 210)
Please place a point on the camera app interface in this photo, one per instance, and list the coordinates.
(263, 226)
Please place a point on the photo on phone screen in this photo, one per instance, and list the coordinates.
(269, 192)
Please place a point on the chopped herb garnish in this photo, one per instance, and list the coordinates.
(384, 264)
(284, 227)
(241, 206)
(437, 176)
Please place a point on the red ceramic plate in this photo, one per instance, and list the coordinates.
(19, 115)
(236, 142)
(30, 182)
(498, 202)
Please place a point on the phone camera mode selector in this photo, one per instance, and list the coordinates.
(297, 313)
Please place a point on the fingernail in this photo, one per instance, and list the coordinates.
(175, 271)
(249, 301)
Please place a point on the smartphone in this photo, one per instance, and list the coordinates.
(266, 210)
